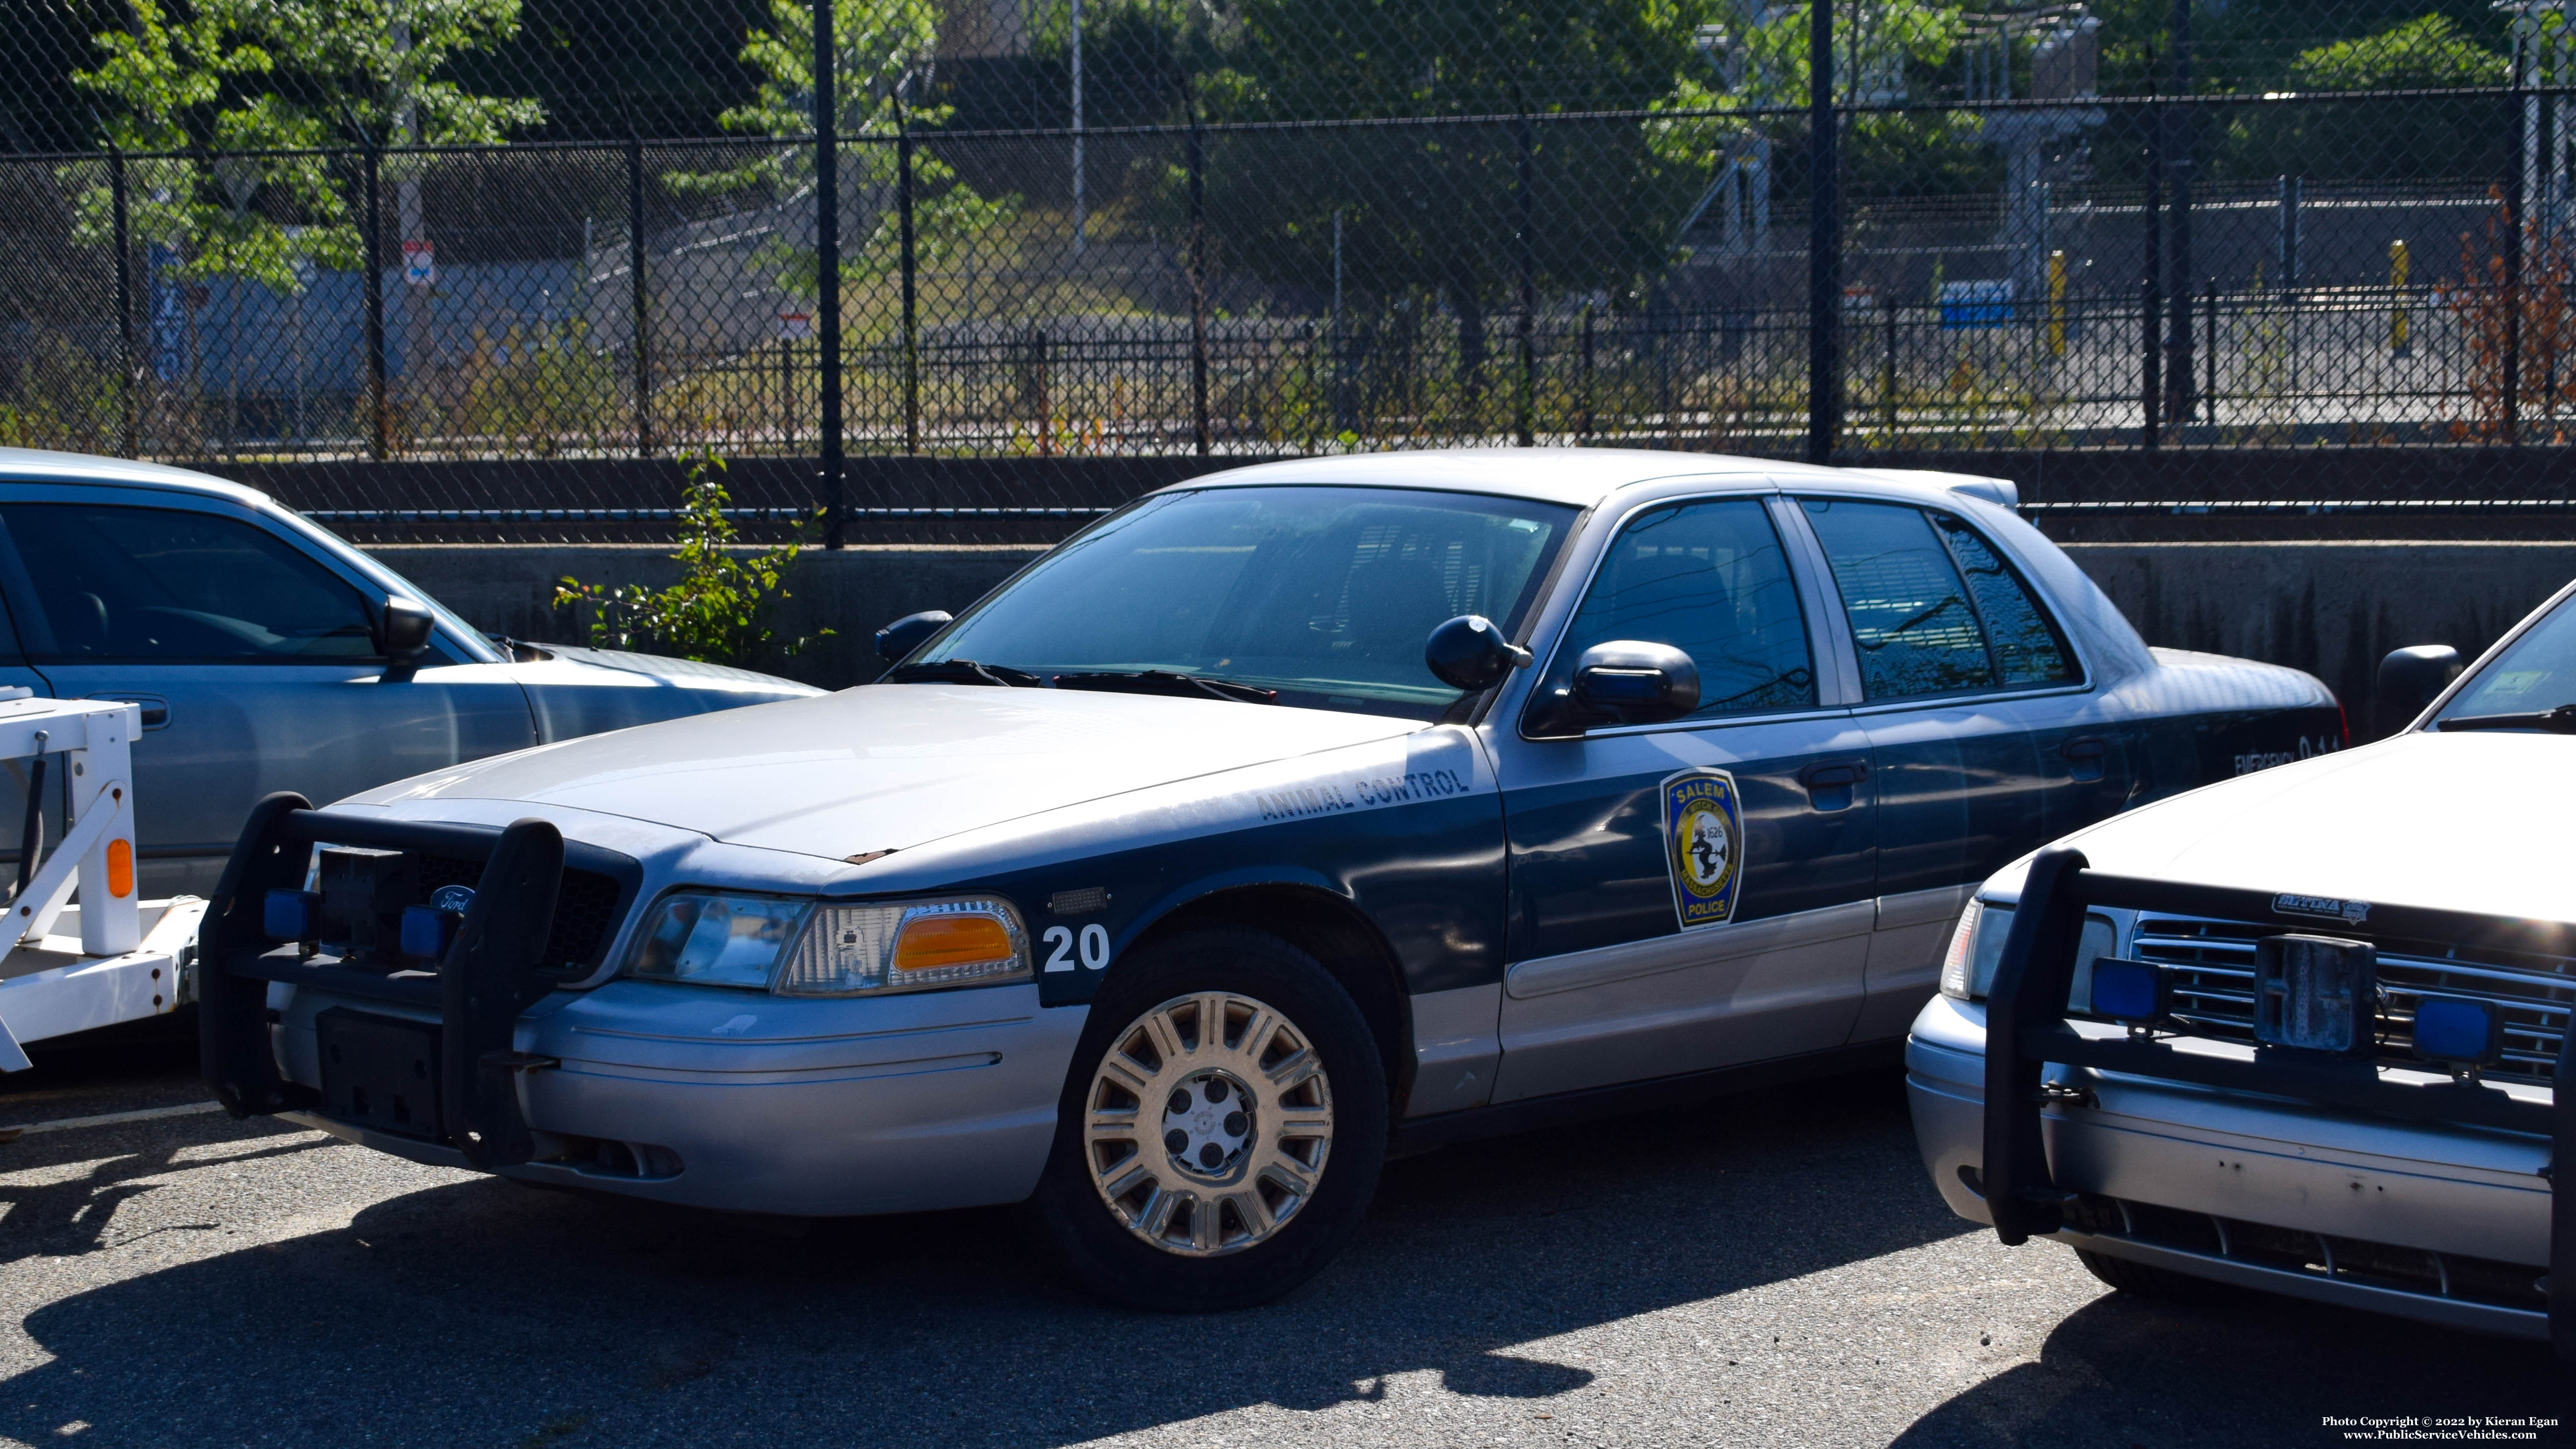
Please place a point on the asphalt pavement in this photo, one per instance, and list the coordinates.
(1768, 1269)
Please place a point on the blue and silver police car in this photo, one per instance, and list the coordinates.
(1280, 819)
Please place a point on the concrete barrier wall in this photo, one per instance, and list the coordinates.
(2331, 608)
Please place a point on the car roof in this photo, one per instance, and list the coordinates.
(1582, 477)
(36, 465)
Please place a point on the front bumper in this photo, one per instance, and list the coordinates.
(2437, 1222)
(501, 1060)
(730, 1099)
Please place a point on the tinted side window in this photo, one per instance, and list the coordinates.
(1711, 580)
(112, 583)
(2026, 645)
(1909, 609)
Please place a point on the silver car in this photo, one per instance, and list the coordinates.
(269, 655)
(2298, 1032)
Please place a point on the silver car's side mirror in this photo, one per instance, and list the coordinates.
(403, 636)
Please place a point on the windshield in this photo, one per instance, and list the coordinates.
(2535, 675)
(1324, 594)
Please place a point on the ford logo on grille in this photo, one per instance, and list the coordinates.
(452, 898)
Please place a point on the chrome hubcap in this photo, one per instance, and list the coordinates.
(1207, 1124)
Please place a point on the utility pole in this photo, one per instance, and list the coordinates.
(409, 224)
(1824, 242)
(827, 270)
(2177, 128)
(1077, 128)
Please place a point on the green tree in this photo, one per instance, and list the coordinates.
(2446, 138)
(240, 75)
(1434, 213)
(884, 49)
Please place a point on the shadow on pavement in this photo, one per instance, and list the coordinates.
(2255, 1369)
(488, 1313)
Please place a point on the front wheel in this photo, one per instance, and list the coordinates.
(1222, 1128)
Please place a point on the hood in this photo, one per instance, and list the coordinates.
(670, 669)
(2463, 822)
(891, 766)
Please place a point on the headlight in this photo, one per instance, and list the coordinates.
(1977, 948)
(804, 948)
(713, 940)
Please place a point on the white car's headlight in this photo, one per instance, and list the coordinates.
(798, 947)
(1977, 948)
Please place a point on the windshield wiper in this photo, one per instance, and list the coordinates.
(963, 671)
(2560, 721)
(1164, 681)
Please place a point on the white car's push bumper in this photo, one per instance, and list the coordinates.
(2372, 1184)
(2268, 1194)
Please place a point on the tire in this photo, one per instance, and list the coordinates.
(2149, 1281)
(1214, 1207)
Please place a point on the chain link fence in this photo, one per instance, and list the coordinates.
(2332, 242)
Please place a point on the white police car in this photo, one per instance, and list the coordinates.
(2298, 1032)
(1281, 817)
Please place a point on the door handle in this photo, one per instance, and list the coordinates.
(1829, 782)
(156, 710)
(1834, 774)
(2086, 754)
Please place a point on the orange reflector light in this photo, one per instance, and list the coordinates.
(930, 942)
(120, 868)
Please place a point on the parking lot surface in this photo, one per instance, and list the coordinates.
(1767, 1269)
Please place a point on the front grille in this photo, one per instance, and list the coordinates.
(585, 906)
(2213, 988)
(2322, 1255)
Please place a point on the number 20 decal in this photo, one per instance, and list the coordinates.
(1094, 945)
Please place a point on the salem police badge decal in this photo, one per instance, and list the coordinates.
(1703, 844)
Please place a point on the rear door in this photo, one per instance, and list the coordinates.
(256, 664)
(1987, 741)
(1697, 893)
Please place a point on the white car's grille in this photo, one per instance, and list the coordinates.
(2214, 987)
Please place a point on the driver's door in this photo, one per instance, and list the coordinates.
(1620, 969)
(256, 665)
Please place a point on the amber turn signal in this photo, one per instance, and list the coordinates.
(931, 942)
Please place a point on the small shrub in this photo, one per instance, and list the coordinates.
(719, 610)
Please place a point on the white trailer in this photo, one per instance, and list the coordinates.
(111, 958)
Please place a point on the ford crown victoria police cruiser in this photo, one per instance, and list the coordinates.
(2267, 1035)
(1278, 818)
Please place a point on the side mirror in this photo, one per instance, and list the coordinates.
(904, 635)
(1471, 654)
(404, 635)
(1635, 682)
(2409, 679)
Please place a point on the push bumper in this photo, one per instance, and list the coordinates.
(2387, 1189)
(695, 1095)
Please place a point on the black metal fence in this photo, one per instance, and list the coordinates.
(472, 340)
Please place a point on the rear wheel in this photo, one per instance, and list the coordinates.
(2149, 1281)
(1222, 1128)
